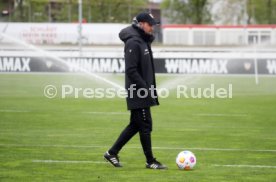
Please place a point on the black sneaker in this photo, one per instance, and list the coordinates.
(113, 159)
(155, 165)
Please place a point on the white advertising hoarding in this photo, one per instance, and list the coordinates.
(63, 33)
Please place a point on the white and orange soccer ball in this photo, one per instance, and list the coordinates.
(186, 160)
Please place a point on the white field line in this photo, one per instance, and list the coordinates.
(102, 162)
(245, 166)
(108, 113)
(134, 147)
(214, 149)
(70, 162)
(13, 110)
(216, 114)
(127, 113)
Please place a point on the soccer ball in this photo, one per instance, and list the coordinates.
(186, 160)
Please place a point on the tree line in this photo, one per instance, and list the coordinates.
(122, 11)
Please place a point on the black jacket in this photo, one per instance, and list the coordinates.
(139, 67)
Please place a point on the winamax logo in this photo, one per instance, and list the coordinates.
(271, 66)
(117, 65)
(15, 64)
(97, 65)
(196, 66)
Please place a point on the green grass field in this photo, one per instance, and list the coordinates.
(44, 139)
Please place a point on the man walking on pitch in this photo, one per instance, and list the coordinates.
(141, 88)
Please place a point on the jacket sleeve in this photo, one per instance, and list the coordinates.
(132, 59)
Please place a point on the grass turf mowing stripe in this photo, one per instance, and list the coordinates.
(227, 115)
(108, 113)
(245, 166)
(10, 110)
(158, 148)
(70, 162)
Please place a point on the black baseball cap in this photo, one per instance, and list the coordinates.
(147, 17)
